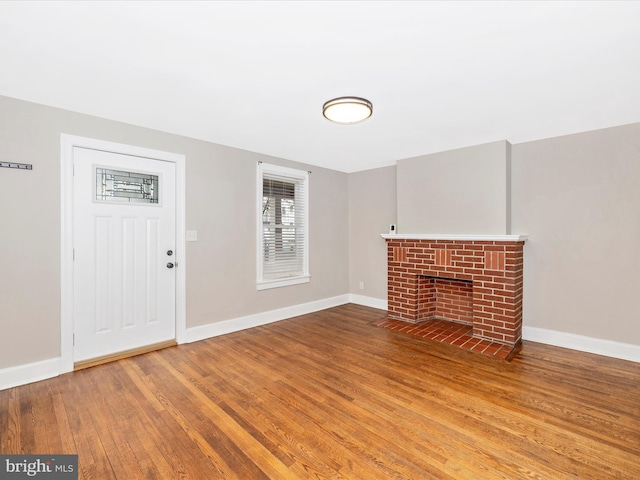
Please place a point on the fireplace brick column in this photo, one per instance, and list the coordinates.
(493, 269)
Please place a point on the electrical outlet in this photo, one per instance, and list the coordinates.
(361, 285)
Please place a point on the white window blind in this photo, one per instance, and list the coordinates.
(283, 226)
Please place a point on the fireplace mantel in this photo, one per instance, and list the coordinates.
(468, 238)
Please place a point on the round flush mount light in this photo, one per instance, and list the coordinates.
(347, 110)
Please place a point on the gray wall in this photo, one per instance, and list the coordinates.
(220, 205)
(372, 208)
(578, 198)
(462, 191)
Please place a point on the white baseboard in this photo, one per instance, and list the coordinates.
(608, 348)
(29, 373)
(368, 301)
(203, 332)
(34, 372)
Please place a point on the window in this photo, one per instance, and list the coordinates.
(121, 186)
(283, 226)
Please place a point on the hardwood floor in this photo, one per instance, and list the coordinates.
(328, 395)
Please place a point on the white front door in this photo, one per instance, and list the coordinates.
(124, 252)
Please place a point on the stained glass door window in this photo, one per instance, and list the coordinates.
(128, 187)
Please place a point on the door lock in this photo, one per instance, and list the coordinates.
(169, 252)
(169, 265)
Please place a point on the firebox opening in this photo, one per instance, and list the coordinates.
(445, 299)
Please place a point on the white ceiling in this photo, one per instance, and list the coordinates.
(254, 75)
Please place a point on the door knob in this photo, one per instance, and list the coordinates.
(169, 265)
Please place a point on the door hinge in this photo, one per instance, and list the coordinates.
(74, 338)
(74, 254)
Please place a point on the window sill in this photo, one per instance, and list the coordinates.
(282, 282)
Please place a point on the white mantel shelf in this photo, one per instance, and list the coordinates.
(434, 236)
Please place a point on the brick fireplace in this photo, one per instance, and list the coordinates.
(471, 280)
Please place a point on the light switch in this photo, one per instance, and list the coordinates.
(192, 236)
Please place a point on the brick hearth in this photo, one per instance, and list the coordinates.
(451, 333)
(476, 281)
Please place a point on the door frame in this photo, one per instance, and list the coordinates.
(67, 144)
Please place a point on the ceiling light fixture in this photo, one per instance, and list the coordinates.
(347, 110)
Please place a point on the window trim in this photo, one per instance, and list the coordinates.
(298, 176)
